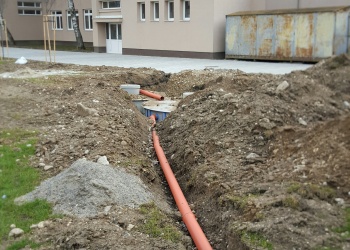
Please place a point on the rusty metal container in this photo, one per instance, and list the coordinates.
(290, 35)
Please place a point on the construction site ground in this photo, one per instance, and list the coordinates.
(263, 159)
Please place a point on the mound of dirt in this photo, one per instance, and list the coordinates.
(86, 188)
(266, 156)
(52, 106)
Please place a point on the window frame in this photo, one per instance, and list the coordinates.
(31, 8)
(142, 8)
(88, 14)
(184, 10)
(169, 4)
(22, 12)
(156, 10)
(69, 19)
(108, 7)
(58, 16)
(23, 4)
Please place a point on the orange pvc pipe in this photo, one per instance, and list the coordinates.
(196, 232)
(152, 95)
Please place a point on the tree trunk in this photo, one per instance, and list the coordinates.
(10, 38)
(78, 36)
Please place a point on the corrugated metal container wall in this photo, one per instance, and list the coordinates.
(302, 35)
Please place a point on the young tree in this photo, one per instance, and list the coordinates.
(75, 23)
(9, 35)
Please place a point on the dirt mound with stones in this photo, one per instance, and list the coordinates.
(83, 113)
(264, 159)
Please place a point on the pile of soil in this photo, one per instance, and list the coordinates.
(263, 159)
(267, 156)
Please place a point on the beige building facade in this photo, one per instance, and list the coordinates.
(25, 20)
(179, 28)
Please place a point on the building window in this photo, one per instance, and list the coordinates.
(110, 4)
(29, 8)
(69, 20)
(29, 12)
(29, 4)
(57, 20)
(186, 10)
(88, 19)
(156, 11)
(170, 5)
(142, 11)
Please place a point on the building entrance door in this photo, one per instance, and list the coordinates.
(114, 38)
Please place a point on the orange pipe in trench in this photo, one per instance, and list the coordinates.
(152, 95)
(196, 232)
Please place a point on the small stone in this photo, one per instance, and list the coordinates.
(345, 234)
(252, 156)
(33, 226)
(267, 124)
(282, 86)
(302, 121)
(41, 224)
(103, 160)
(228, 96)
(16, 232)
(41, 164)
(48, 167)
(13, 226)
(298, 168)
(129, 227)
(124, 143)
(340, 201)
(107, 209)
(347, 104)
(270, 178)
(85, 111)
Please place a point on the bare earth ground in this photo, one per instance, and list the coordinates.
(256, 157)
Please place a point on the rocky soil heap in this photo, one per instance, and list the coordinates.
(265, 159)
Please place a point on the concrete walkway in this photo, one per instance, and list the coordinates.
(166, 64)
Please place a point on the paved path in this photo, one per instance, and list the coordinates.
(166, 64)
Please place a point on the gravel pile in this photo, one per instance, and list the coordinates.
(85, 188)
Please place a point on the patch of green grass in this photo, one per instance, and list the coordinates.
(327, 248)
(311, 190)
(157, 225)
(345, 229)
(23, 243)
(255, 240)
(39, 80)
(291, 201)
(238, 202)
(18, 178)
(294, 187)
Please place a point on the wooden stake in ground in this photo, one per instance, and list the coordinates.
(3, 30)
(47, 40)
